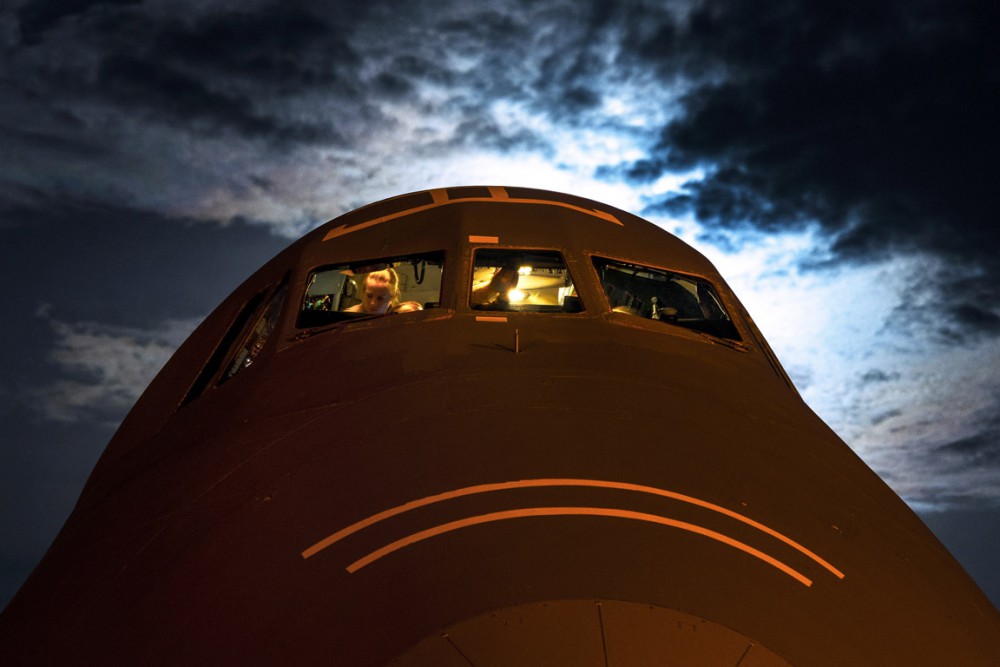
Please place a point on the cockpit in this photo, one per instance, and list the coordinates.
(509, 280)
(595, 263)
(346, 292)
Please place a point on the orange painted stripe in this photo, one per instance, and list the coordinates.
(344, 229)
(573, 511)
(556, 482)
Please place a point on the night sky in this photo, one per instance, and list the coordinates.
(837, 161)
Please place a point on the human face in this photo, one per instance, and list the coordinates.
(376, 301)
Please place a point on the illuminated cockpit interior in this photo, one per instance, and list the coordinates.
(511, 280)
(522, 281)
(458, 251)
(373, 287)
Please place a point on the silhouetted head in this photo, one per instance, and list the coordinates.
(505, 279)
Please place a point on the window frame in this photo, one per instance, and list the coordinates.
(214, 372)
(736, 335)
(305, 319)
(537, 310)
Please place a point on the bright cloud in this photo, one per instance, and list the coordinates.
(105, 368)
(920, 412)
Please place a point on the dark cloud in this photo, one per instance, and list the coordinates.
(49, 142)
(159, 91)
(568, 79)
(876, 121)
(954, 304)
(419, 68)
(285, 47)
(976, 450)
(981, 448)
(877, 376)
(392, 85)
(500, 31)
(480, 132)
(35, 18)
(118, 265)
(551, 57)
(884, 416)
(733, 197)
(226, 68)
(219, 71)
(972, 316)
(968, 458)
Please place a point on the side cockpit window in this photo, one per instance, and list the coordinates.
(522, 281)
(255, 339)
(371, 288)
(668, 297)
(243, 341)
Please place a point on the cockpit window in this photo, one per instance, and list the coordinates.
(522, 280)
(661, 295)
(244, 339)
(254, 339)
(372, 288)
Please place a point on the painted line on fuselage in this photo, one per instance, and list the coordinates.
(557, 482)
(438, 200)
(574, 511)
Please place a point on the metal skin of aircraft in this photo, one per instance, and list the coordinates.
(559, 440)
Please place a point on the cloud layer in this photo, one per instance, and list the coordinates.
(104, 369)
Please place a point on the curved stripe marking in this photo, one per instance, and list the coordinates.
(531, 483)
(573, 511)
(439, 198)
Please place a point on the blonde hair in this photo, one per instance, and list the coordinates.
(387, 278)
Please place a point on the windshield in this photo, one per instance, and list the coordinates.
(671, 298)
(372, 288)
(522, 281)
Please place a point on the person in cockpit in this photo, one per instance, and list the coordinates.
(380, 293)
(495, 292)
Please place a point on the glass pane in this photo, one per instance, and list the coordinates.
(522, 280)
(672, 298)
(372, 288)
(255, 339)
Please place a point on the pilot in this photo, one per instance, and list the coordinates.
(504, 279)
(380, 295)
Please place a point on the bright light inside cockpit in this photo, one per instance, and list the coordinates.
(515, 295)
(526, 281)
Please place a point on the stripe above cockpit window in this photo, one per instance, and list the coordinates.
(397, 207)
